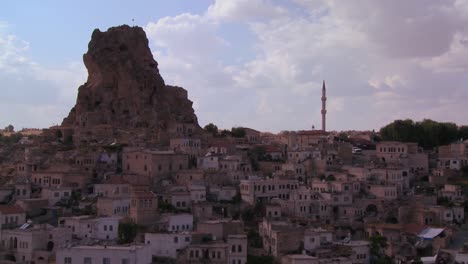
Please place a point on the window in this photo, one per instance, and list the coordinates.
(67, 260)
(105, 228)
(111, 228)
(239, 248)
(87, 260)
(125, 261)
(105, 260)
(176, 240)
(187, 239)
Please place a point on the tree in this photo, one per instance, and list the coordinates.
(464, 171)
(212, 129)
(254, 238)
(463, 132)
(225, 133)
(444, 201)
(247, 215)
(330, 178)
(260, 259)
(127, 232)
(10, 128)
(378, 244)
(238, 132)
(426, 133)
(343, 135)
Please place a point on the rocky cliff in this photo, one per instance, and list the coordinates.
(124, 89)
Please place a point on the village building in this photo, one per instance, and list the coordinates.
(256, 188)
(167, 245)
(153, 163)
(12, 216)
(128, 254)
(86, 226)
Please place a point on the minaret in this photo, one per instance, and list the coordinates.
(324, 106)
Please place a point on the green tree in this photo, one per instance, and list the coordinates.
(248, 214)
(330, 178)
(444, 201)
(254, 238)
(212, 129)
(127, 232)
(464, 171)
(427, 133)
(260, 259)
(463, 132)
(238, 132)
(378, 244)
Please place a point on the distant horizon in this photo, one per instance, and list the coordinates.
(256, 64)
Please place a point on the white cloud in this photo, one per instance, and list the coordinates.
(34, 95)
(454, 60)
(381, 60)
(378, 60)
(243, 10)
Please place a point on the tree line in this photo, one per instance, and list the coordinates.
(426, 133)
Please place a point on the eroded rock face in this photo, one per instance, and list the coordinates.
(124, 88)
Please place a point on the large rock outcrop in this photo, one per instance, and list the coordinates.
(125, 91)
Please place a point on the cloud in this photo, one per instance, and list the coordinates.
(34, 95)
(244, 10)
(454, 60)
(260, 63)
(380, 60)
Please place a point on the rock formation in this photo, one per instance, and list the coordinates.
(125, 91)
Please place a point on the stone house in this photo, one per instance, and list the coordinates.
(113, 206)
(128, 254)
(36, 243)
(453, 156)
(221, 228)
(389, 192)
(12, 216)
(175, 222)
(86, 226)
(233, 250)
(452, 192)
(56, 194)
(197, 192)
(186, 177)
(177, 196)
(153, 163)
(22, 190)
(255, 188)
(115, 187)
(315, 238)
(167, 245)
(280, 237)
(143, 206)
(187, 145)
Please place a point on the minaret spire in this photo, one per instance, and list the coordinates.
(324, 106)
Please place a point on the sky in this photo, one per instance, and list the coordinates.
(252, 63)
